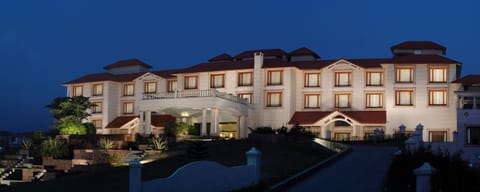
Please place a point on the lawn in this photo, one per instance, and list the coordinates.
(279, 161)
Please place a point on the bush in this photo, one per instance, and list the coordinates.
(451, 172)
(183, 128)
(54, 148)
(114, 159)
(262, 130)
(105, 143)
(160, 144)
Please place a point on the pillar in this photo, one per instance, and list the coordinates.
(148, 122)
(214, 123)
(203, 130)
(242, 127)
(135, 176)
(141, 121)
(254, 158)
(323, 131)
(354, 132)
(423, 174)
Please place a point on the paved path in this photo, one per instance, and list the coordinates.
(360, 170)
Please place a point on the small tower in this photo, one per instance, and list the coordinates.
(418, 48)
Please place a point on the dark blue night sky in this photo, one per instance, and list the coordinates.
(45, 43)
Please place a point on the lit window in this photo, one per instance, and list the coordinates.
(97, 90)
(437, 97)
(404, 74)
(312, 79)
(190, 82)
(404, 97)
(77, 90)
(343, 79)
(342, 100)
(97, 107)
(438, 74)
(247, 96)
(274, 99)
(245, 79)
(217, 81)
(312, 101)
(437, 136)
(473, 135)
(150, 87)
(171, 86)
(374, 78)
(128, 107)
(274, 78)
(374, 100)
(97, 123)
(128, 90)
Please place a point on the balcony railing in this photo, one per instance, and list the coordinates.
(194, 93)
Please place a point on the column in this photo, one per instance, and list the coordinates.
(148, 122)
(203, 130)
(354, 132)
(242, 127)
(214, 123)
(323, 131)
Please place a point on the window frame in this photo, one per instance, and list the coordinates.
(95, 89)
(431, 98)
(170, 87)
(125, 90)
(368, 102)
(398, 76)
(306, 104)
(268, 102)
(337, 78)
(186, 82)
(98, 109)
(431, 74)
(145, 87)
(250, 101)
(241, 79)
(269, 77)
(337, 100)
(212, 81)
(445, 135)
(124, 109)
(95, 124)
(368, 79)
(397, 97)
(75, 91)
(306, 82)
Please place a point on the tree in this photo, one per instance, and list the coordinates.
(69, 113)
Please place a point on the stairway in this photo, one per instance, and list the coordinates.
(133, 155)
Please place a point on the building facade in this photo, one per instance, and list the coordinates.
(338, 99)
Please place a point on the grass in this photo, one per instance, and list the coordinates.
(278, 162)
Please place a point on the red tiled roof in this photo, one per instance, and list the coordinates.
(423, 59)
(369, 63)
(127, 63)
(266, 52)
(120, 121)
(160, 120)
(105, 77)
(218, 66)
(303, 51)
(468, 80)
(419, 45)
(221, 57)
(310, 117)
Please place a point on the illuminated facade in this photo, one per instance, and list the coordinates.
(339, 99)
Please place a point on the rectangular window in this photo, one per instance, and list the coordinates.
(245, 79)
(473, 135)
(191, 82)
(171, 85)
(404, 74)
(97, 108)
(128, 89)
(374, 78)
(312, 101)
(342, 100)
(97, 90)
(437, 136)
(274, 99)
(128, 107)
(247, 96)
(437, 74)
(274, 78)
(404, 97)
(97, 123)
(343, 79)
(77, 90)
(217, 81)
(150, 87)
(437, 97)
(312, 80)
(374, 100)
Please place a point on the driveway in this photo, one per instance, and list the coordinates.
(362, 169)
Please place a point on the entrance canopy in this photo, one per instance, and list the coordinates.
(324, 117)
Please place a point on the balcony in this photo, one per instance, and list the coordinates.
(194, 94)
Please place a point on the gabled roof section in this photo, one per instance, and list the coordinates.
(120, 121)
(468, 80)
(161, 120)
(266, 53)
(127, 63)
(303, 51)
(419, 45)
(217, 66)
(96, 77)
(365, 117)
(221, 57)
(423, 59)
(308, 117)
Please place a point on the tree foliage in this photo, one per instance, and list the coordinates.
(69, 113)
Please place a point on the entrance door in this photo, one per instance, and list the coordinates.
(342, 136)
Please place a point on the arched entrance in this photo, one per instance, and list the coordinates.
(339, 128)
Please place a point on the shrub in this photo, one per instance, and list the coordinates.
(262, 130)
(183, 128)
(114, 159)
(160, 144)
(105, 143)
(197, 150)
(54, 148)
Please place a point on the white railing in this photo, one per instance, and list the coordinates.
(194, 93)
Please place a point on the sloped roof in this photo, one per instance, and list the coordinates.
(160, 120)
(419, 45)
(302, 51)
(423, 59)
(105, 77)
(221, 57)
(266, 52)
(120, 121)
(468, 80)
(218, 66)
(367, 117)
(127, 63)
